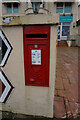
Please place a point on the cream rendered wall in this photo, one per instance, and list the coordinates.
(0, 8)
(64, 0)
(79, 30)
(51, 6)
(30, 100)
(15, 70)
(22, 8)
(4, 11)
(75, 11)
(54, 8)
(74, 30)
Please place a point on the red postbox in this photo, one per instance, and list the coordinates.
(36, 55)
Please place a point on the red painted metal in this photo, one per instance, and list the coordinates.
(36, 75)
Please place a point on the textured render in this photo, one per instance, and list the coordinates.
(34, 19)
(28, 99)
(73, 28)
(64, 0)
(0, 12)
(15, 70)
(0, 8)
(79, 30)
(75, 18)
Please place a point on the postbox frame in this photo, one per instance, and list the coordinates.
(42, 29)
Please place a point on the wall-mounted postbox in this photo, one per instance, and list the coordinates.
(36, 55)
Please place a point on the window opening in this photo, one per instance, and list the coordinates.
(65, 29)
(12, 8)
(9, 8)
(43, 4)
(64, 7)
(15, 8)
(67, 7)
(59, 7)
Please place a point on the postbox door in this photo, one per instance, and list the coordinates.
(37, 65)
(36, 55)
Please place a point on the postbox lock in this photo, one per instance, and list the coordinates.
(32, 80)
